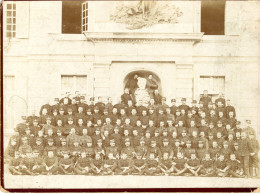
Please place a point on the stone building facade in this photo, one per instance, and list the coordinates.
(41, 62)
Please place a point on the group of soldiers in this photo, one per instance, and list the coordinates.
(73, 137)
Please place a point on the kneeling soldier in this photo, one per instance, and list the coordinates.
(166, 164)
(193, 164)
(207, 166)
(124, 166)
(152, 165)
(83, 164)
(139, 164)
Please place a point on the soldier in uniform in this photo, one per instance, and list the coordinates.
(12, 147)
(235, 169)
(180, 164)
(34, 128)
(50, 163)
(24, 147)
(188, 150)
(72, 137)
(173, 106)
(83, 164)
(98, 149)
(205, 99)
(193, 164)
(50, 147)
(229, 108)
(166, 164)
(139, 164)
(124, 165)
(253, 159)
(248, 129)
(112, 149)
(221, 166)
(89, 149)
(184, 105)
(201, 150)
(226, 151)
(207, 166)
(128, 149)
(14, 164)
(66, 164)
(39, 145)
(110, 164)
(152, 165)
(142, 148)
(63, 148)
(37, 163)
(214, 150)
(97, 165)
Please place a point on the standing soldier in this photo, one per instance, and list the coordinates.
(173, 106)
(253, 159)
(205, 99)
(248, 128)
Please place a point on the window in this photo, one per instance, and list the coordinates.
(10, 19)
(214, 84)
(72, 83)
(71, 17)
(84, 17)
(213, 17)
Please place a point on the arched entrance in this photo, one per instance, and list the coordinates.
(144, 74)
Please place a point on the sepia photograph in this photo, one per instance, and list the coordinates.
(130, 94)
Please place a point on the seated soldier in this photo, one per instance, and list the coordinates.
(180, 164)
(207, 166)
(139, 164)
(98, 149)
(75, 151)
(235, 167)
(27, 164)
(66, 164)
(128, 149)
(166, 164)
(24, 147)
(83, 164)
(166, 148)
(188, 150)
(152, 167)
(12, 147)
(50, 164)
(89, 149)
(97, 165)
(154, 149)
(112, 149)
(58, 138)
(201, 150)
(221, 166)
(37, 167)
(14, 164)
(110, 164)
(50, 146)
(193, 164)
(124, 165)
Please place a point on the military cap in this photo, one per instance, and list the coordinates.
(225, 142)
(163, 98)
(238, 123)
(219, 122)
(153, 141)
(82, 97)
(35, 120)
(194, 101)
(56, 99)
(248, 121)
(63, 139)
(188, 142)
(50, 139)
(61, 109)
(165, 140)
(96, 108)
(235, 144)
(173, 100)
(142, 139)
(127, 140)
(183, 131)
(183, 99)
(112, 140)
(200, 142)
(148, 131)
(91, 99)
(105, 110)
(36, 151)
(70, 119)
(24, 117)
(38, 139)
(178, 110)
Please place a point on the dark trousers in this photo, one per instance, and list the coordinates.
(245, 164)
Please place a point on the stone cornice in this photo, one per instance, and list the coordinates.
(141, 37)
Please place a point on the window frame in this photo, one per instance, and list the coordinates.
(84, 10)
(12, 17)
(74, 78)
(212, 92)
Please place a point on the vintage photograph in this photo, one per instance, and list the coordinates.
(131, 94)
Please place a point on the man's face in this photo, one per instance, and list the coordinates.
(243, 135)
(106, 133)
(127, 143)
(144, 113)
(156, 92)
(177, 144)
(205, 93)
(70, 122)
(225, 146)
(153, 144)
(89, 144)
(135, 133)
(152, 101)
(251, 136)
(126, 132)
(221, 157)
(63, 143)
(130, 103)
(126, 91)
(231, 114)
(193, 156)
(124, 156)
(180, 123)
(182, 111)
(219, 135)
(80, 121)
(165, 143)
(50, 154)
(127, 121)
(178, 113)
(200, 145)
(50, 132)
(174, 134)
(151, 156)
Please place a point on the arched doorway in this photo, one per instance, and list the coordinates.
(144, 74)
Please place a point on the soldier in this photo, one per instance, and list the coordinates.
(125, 97)
(207, 166)
(109, 105)
(194, 139)
(173, 106)
(253, 159)
(128, 149)
(245, 149)
(80, 115)
(117, 137)
(184, 105)
(83, 165)
(180, 128)
(177, 148)
(54, 117)
(136, 138)
(193, 164)
(161, 117)
(229, 108)
(107, 126)
(166, 164)
(226, 151)
(219, 139)
(188, 150)
(152, 165)
(235, 169)
(157, 97)
(112, 149)
(248, 129)
(34, 128)
(14, 164)
(184, 138)
(205, 99)
(105, 116)
(96, 136)
(50, 147)
(39, 145)
(72, 137)
(49, 135)
(100, 105)
(110, 164)
(24, 147)
(91, 105)
(61, 116)
(46, 106)
(214, 150)
(138, 164)
(231, 119)
(92, 129)
(221, 166)
(50, 164)
(122, 115)
(37, 167)
(96, 115)
(66, 99)
(201, 150)
(170, 127)
(169, 115)
(84, 138)
(89, 116)
(75, 150)
(47, 126)
(43, 116)
(97, 165)
(12, 147)
(124, 165)
(142, 148)
(89, 149)
(154, 149)
(180, 164)
(98, 149)
(63, 148)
